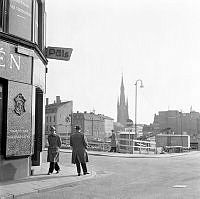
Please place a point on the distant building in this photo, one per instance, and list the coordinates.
(179, 123)
(109, 126)
(59, 114)
(122, 107)
(93, 125)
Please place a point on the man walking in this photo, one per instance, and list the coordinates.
(79, 153)
(53, 150)
(113, 142)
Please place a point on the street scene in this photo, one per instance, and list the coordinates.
(99, 99)
(120, 177)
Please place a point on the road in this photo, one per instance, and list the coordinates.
(138, 178)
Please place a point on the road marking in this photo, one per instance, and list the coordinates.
(179, 186)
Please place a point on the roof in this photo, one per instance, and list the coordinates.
(52, 108)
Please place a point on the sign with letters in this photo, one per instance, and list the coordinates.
(59, 53)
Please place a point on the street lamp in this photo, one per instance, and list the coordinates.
(141, 86)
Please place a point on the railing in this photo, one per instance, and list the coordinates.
(132, 146)
(98, 146)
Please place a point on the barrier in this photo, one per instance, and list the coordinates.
(131, 146)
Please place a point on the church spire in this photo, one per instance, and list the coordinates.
(122, 106)
(122, 94)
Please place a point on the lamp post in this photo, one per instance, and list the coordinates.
(141, 86)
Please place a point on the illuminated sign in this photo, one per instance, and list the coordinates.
(59, 53)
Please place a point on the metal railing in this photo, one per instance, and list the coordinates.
(132, 146)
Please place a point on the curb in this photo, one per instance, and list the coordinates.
(120, 155)
(34, 187)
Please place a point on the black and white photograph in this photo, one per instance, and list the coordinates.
(100, 99)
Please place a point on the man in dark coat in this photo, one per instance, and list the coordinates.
(53, 150)
(79, 154)
(113, 142)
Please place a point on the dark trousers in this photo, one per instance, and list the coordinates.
(113, 149)
(83, 165)
(52, 166)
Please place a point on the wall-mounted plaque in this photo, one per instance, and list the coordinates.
(19, 126)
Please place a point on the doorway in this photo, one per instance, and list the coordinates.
(36, 159)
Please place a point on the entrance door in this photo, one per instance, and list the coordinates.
(36, 160)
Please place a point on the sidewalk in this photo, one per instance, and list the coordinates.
(40, 181)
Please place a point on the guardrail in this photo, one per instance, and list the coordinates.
(131, 146)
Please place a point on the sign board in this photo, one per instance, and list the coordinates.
(59, 53)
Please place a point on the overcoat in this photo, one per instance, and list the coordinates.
(113, 142)
(78, 143)
(53, 149)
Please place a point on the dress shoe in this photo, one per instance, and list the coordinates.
(58, 171)
(86, 173)
(79, 174)
(49, 173)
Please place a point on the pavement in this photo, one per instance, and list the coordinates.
(41, 182)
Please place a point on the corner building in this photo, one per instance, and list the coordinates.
(22, 86)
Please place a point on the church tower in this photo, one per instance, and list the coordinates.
(122, 106)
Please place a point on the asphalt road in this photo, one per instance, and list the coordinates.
(138, 178)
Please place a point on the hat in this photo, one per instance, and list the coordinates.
(77, 128)
(52, 128)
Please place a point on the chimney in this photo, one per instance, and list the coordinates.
(47, 101)
(58, 101)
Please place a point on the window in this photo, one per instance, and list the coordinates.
(25, 19)
(20, 18)
(36, 22)
(1, 14)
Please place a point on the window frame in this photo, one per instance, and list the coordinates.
(39, 15)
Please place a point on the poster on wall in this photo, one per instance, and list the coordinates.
(20, 17)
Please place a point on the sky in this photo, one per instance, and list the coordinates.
(152, 40)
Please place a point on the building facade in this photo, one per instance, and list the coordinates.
(59, 114)
(109, 126)
(22, 86)
(179, 123)
(122, 107)
(94, 126)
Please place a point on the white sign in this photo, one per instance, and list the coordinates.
(59, 53)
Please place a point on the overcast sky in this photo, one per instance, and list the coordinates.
(153, 40)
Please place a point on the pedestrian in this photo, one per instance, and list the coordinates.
(78, 143)
(113, 142)
(53, 150)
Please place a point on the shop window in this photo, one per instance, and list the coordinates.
(20, 18)
(25, 19)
